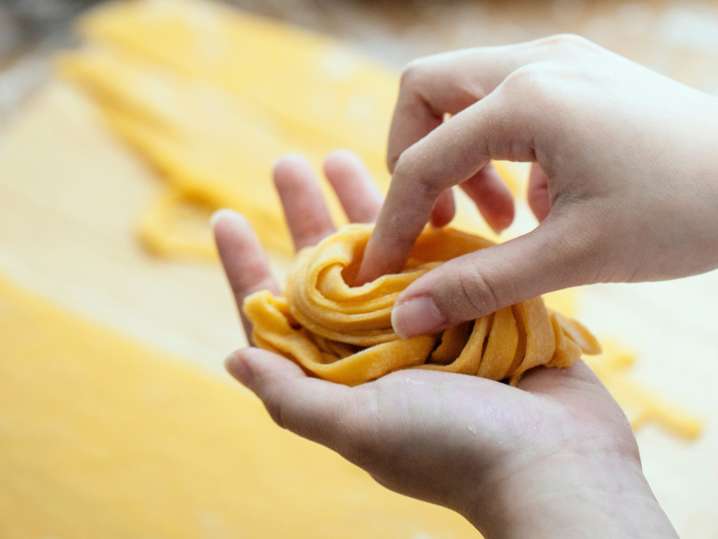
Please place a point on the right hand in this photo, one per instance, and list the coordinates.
(624, 177)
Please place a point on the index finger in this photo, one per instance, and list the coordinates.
(438, 85)
(448, 83)
(449, 155)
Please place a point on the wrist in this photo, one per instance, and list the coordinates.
(572, 496)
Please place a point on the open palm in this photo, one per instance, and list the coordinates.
(495, 453)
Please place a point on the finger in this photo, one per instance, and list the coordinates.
(492, 198)
(245, 264)
(358, 194)
(353, 185)
(450, 82)
(507, 123)
(306, 213)
(555, 255)
(444, 209)
(538, 195)
(442, 84)
(309, 407)
(492, 128)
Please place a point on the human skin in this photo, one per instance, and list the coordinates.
(624, 179)
(553, 457)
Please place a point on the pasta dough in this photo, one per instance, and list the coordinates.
(343, 333)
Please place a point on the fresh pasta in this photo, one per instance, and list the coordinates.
(343, 333)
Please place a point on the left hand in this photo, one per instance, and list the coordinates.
(554, 457)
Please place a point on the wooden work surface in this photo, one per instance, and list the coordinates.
(69, 198)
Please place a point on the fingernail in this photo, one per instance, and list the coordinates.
(227, 214)
(289, 159)
(239, 368)
(219, 215)
(417, 316)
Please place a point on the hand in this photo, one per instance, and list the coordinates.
(624, 178)
(554, 457)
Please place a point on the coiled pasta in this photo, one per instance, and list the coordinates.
(343, 333)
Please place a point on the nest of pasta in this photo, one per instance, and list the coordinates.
(343, 333)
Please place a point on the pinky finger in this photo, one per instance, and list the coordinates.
(309, 407)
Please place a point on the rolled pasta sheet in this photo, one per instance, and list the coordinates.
(343, 333)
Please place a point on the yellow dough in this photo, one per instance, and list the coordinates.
(101, 437)
(343, 333)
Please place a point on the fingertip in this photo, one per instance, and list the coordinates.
(503, 218)
(238, 366)
(337, 161)
(289, 160)
(229, 227)
(492, 198)
(539, 204)
(217, 216)
(440, 220)
(444, 209)
(226, 217)
(289, 167)
(343, 168)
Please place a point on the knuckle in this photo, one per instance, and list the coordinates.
(403, 163)
(566, 41)
(527, 77)
(276, 412)
(408, 169)
(402, 167)
(413, 73)
(277, 409)
(530, 84)
(475, 293)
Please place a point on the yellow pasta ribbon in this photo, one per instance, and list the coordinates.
(343, 333)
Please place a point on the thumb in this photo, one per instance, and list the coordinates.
(555, 255)
(310, 407)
